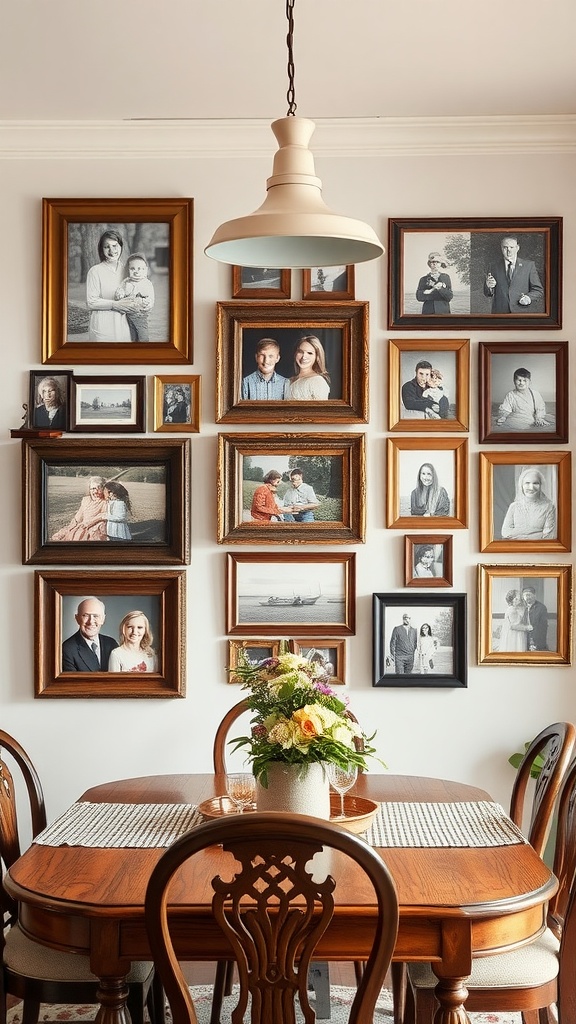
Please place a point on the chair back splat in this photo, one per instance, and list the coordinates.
(559, 742)
(272, 912)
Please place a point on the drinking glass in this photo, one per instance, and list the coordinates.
(241, 788)
(342, 779)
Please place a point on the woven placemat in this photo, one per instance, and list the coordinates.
(481, 823)
(120, 825)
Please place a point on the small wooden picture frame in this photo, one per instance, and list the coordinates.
(429, 385)
(177, 404)
(260, 283)
(108, 405)
(428, 560)
(328, 284)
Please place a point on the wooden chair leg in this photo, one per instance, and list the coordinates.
(358, 971)
(399, 972)
(229, 980)
(30, 1011)
(219, 987)
(157, 997)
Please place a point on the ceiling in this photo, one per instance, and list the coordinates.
(223, 59)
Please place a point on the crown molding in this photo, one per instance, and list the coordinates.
(368, 136)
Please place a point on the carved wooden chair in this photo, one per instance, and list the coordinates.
(557, 742)
(530, 979)
(30, 971)
(272, 912)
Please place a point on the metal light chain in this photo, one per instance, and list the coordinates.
(291, 94)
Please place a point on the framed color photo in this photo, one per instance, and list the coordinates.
(117, 281)
(82, 629)
(177, 404)
(523, 392)
(488, 273)
(428, 385)
(427, 483)
(261, 347)
(329, 284)
(282, 593)
(260, 283)
(49, 400)
(249, 652)
(291, 488)
(525, 614)
(419, 640)
(71, 517)
(525, 503)
(428, 560)
(108, 405)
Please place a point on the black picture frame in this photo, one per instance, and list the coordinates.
(468, 249)
(160, 518)
(108, 405)
(547, 363)
(445, 665)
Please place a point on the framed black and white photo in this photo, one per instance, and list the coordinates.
(523, 392)
(331, 284)
(49, 400)
(419, 640)
(292, 362)
(261, 283)
(113, 502)
(309, 595)
(525, 614)
(177, 404)
(427, 483)
(481, 272)
(428, 385)
(328, 655)
(108, 405)
(525, 504)
(291, 488)
(428, 560)
(117, 281)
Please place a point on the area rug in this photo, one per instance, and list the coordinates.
(340, 1001)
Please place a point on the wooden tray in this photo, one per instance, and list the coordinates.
(219, 806)
(359, 812)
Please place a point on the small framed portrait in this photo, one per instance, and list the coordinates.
(110, 634)
(292, 362)
(419, 640)
(49, 400)
(177, 404)
(106, 501)
(427, 483)
(481, 272)
(525, 614)
(428, 560)
(307, 595)
(108, 405)
(329, 284)
(261, 283)
(328, 655)
(291, 488)
(523, 392)
(117, 281)
(525, 505)
(243, 653)
(428, 385)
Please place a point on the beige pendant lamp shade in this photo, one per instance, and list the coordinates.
(294, 227)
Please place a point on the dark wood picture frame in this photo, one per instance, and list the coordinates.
(547, 364)
(328, 651)
(436, 664)
(312, 586)
(343, 331)
(262, 283)
(162, 590)
(101, 421)
(168, 458)
(344, 282)
(344, 471)
(468, 249)
(398, 506)
(70, 247)
(428, 553)
(493, 514)
(452, 359)
(38, 417)
(190, 388)
(552, 623)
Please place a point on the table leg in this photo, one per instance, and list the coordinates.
(112, 996)
(451, 994)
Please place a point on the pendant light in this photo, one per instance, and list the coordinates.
(293, 227)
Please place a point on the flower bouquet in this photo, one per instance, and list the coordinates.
(298, 719)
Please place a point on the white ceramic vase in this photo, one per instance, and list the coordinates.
(296, 788)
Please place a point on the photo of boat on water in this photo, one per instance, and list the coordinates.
(285, 594)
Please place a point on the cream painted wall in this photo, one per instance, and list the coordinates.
(460, 734)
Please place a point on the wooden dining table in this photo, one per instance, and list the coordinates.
(455, 903)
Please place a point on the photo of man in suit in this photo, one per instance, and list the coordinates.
(512, 282)
(403, 643)
(88, 650)
(536, 615)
